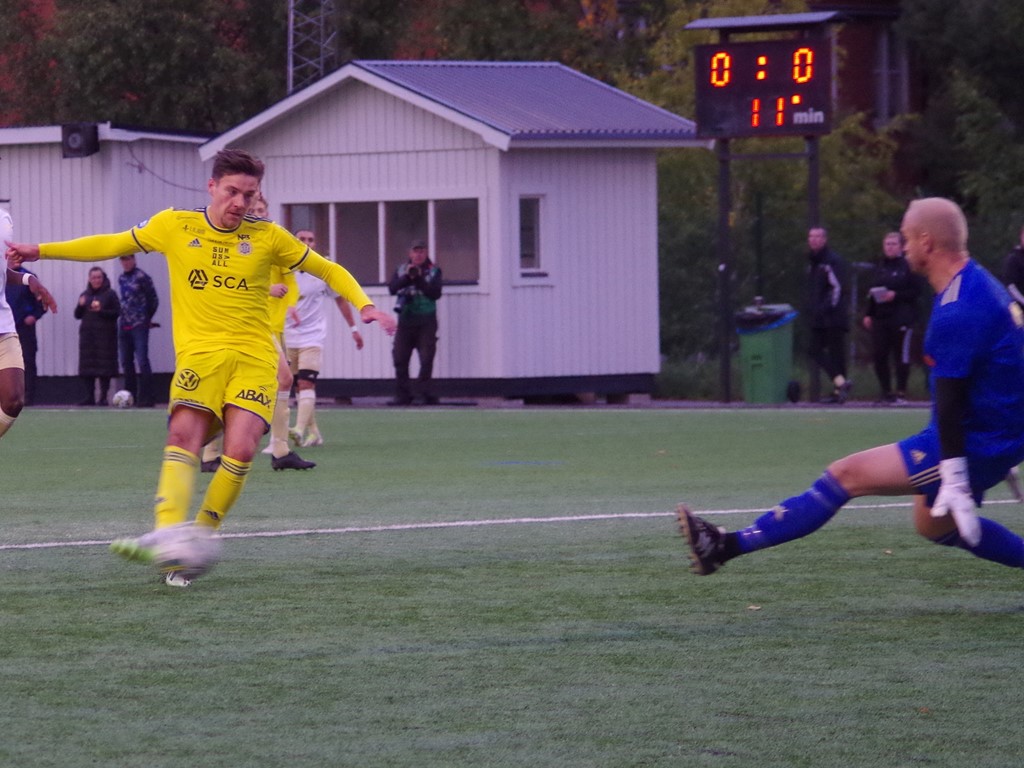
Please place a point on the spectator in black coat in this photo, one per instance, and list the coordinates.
(98, 308)
(1013, 270)
(890, 317)
(828, 312)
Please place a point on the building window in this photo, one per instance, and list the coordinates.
(404, 221)
(358, 240)
(372, 238)
(457, 239)
(892, 78)
(314, 218)
(529, 235)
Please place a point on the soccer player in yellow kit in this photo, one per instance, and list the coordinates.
(219, 262)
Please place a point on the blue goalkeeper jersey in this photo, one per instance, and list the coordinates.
(976, 333)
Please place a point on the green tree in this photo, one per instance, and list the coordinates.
(967, 144)
(769, 219)
(189, 65)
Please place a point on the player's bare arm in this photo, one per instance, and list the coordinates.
(387, 321)
(36, 287)
(18, 253)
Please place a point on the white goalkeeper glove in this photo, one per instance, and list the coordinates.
(955, 499)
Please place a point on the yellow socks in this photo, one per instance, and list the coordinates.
(174, 489)
(223, 491)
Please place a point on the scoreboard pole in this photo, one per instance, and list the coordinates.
(724, 270)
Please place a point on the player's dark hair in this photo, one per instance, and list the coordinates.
(228, 162)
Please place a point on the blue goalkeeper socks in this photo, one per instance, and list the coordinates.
(998, 544)
(795, 517)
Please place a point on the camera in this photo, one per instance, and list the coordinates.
(413, 272)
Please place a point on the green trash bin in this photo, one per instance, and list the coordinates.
(766, 351)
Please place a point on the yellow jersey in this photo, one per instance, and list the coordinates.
(219, 279)
(279, 306)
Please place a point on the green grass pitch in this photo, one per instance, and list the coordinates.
(473, 587)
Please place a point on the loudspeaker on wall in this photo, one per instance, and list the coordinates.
(79, 139)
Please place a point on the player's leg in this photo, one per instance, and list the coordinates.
(186, 431)
(305, 393)
(279, 421)
(243, 431)
(211, 454)
(997, 543)
(12, 381)
(305, 397)
(878, 471)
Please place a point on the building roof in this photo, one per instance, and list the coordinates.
(509, 104)
(51, 134)
(772, 21)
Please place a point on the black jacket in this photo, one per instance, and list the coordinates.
(828, 294)
(97, 335)
(895, 275)
(1013, 269)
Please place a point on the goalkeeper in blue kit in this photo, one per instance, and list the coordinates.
(974, 346)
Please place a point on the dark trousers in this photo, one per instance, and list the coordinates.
(419, 335)
(828, 350)
(29, 347)
(90, 390)
(134, 346)
(891, 343)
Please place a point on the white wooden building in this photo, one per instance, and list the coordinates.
(123, 178)
(535, 187)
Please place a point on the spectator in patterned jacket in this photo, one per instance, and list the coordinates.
(138, 305)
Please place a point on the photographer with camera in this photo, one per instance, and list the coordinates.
(417, 286)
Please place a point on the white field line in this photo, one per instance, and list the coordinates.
(455, 524)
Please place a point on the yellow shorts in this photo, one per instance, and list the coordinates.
(10, 352)
(214, 380)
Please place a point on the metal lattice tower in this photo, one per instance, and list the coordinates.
(312, 41)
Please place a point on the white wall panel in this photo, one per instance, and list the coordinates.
(596, 312)
(53, 198)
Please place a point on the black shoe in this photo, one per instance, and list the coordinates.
(706, 542)
(291, 460)
(210, 466)
(400, 401)
(430, 400)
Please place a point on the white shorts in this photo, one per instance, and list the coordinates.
(10, 352)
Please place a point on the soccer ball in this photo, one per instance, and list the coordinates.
(123, 399)
(190, 549)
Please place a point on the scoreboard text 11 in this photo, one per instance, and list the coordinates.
(768, 88)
